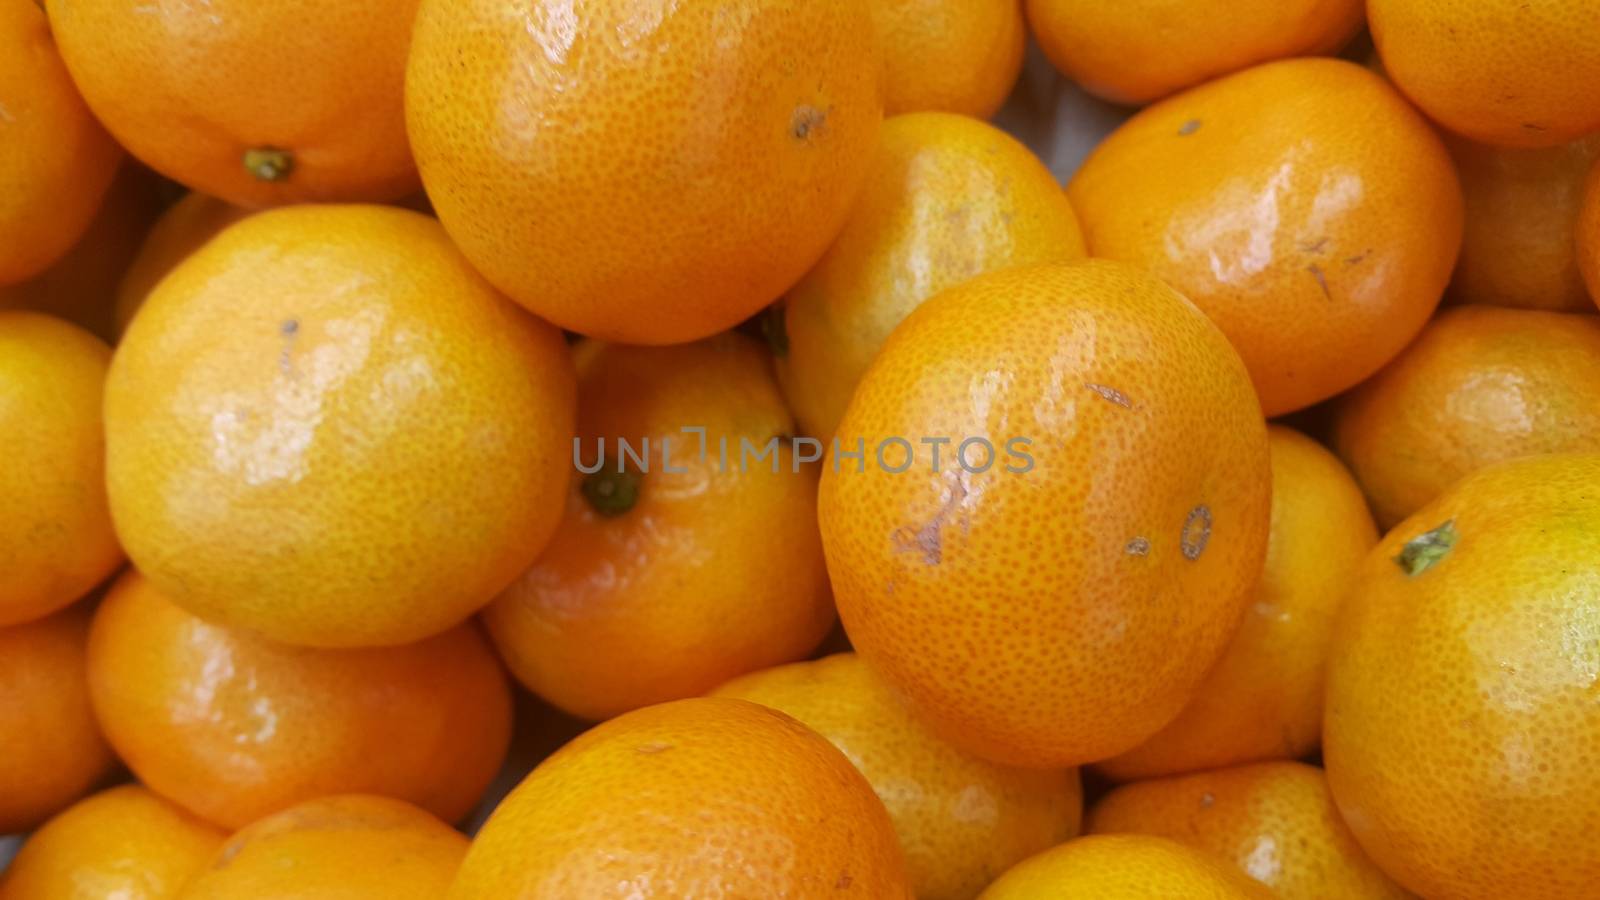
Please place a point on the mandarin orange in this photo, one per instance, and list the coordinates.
(959, 56)
(1123, 867)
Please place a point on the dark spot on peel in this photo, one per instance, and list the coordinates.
(1358, 259)
(1189, 127)
(1139, 546)
(1315, 246)
(844, 882)
(1196, 532)
(1111, 394)
(289, 328)
(807, 122)
(1322, 279)
(929, 539)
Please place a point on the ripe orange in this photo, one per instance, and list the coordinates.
(1276, 821)
(256, 102)
(53, 749)
(1481, 385)
(1589, 234)
(663, 584)
(708, 797)
(1263, 699)
(185, 227)
(1136, 52)
(960, 820)
(122, 844)
(1123, 867)
(948, 198)
(56, 541)
(648, 173)
(1462, 721)
(232, 727)
(56, 162)
(1063, 603)
(959, 56)
(351, 847)
(325, 427)
(1303, 205)
(1503, 72)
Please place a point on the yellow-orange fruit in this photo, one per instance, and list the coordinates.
(959, 56)
(1589, 234)
(185, 227)
(1123, 867)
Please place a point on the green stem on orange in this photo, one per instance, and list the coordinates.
(611, 493)
(1427, 550)
(269, 164)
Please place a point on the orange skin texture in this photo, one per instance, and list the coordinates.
(1503, 72)
(1123, 867)
(707, 797)
(710, 574)
(185, 227)
(1263, 699)
(351, 847)
(189, 88)
(125, 843)
(233, 728)
(644, 172)
(1143, 50)
(1522, 212)
(54, 751)
(56, 162)
(1051, 617)
(1303, 205)
(1461, 726)
(1589, 234)
(959, 56)
(56, 539)
(960, 820)
(1482, 385)
(1276, 821)
(948, 198)
(326, 428)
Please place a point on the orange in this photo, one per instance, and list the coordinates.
(326, 428)
(1263, 700)
(1056, 597)
(233, 728)
(56, 162)
(1276, 821)
(1522, 211)
(1589, 234)
(56, 541)
(352, 847)
(649, 173)
(948, 198)
(1123, 867)
(1503, 72)
(667, 579)
(1481, 385)
(125, 843)
(1462, 721)
(185, 227)
(1303, 205)
(708, 797)
(1136, 52)
(259, 103)
(959, 56)
(53, 749)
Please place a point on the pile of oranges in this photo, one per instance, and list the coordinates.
(524, 449)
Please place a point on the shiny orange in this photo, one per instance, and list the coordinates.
(233, 728)
(1276, 821)
(948, 198)
(185, 227)
(1589, 234)
(1481, 385)
(260, 103)
(959, 56)
(960, 820)
(323, 426)
(1303, 205)
(709, 797)
(122, 844)
(1123, 867)
(1263, 699)
(649, 173)
(1505, 72)
(1057, 598)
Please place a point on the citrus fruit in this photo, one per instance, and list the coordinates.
(233, 727)
(1123, 867)
(1461, 722)
(56, 541)
(1303, 205)
(699, 797)
(1276, 821)
(324, 427)
(959, 56)
(1263, 699)
(185, 227)
(1136, 52)
(1053, 589)
(644, 172)
(1481, 385)
(960, 820)
(259, 103)
(122, 844)
(948, 198)
(1589, 234)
